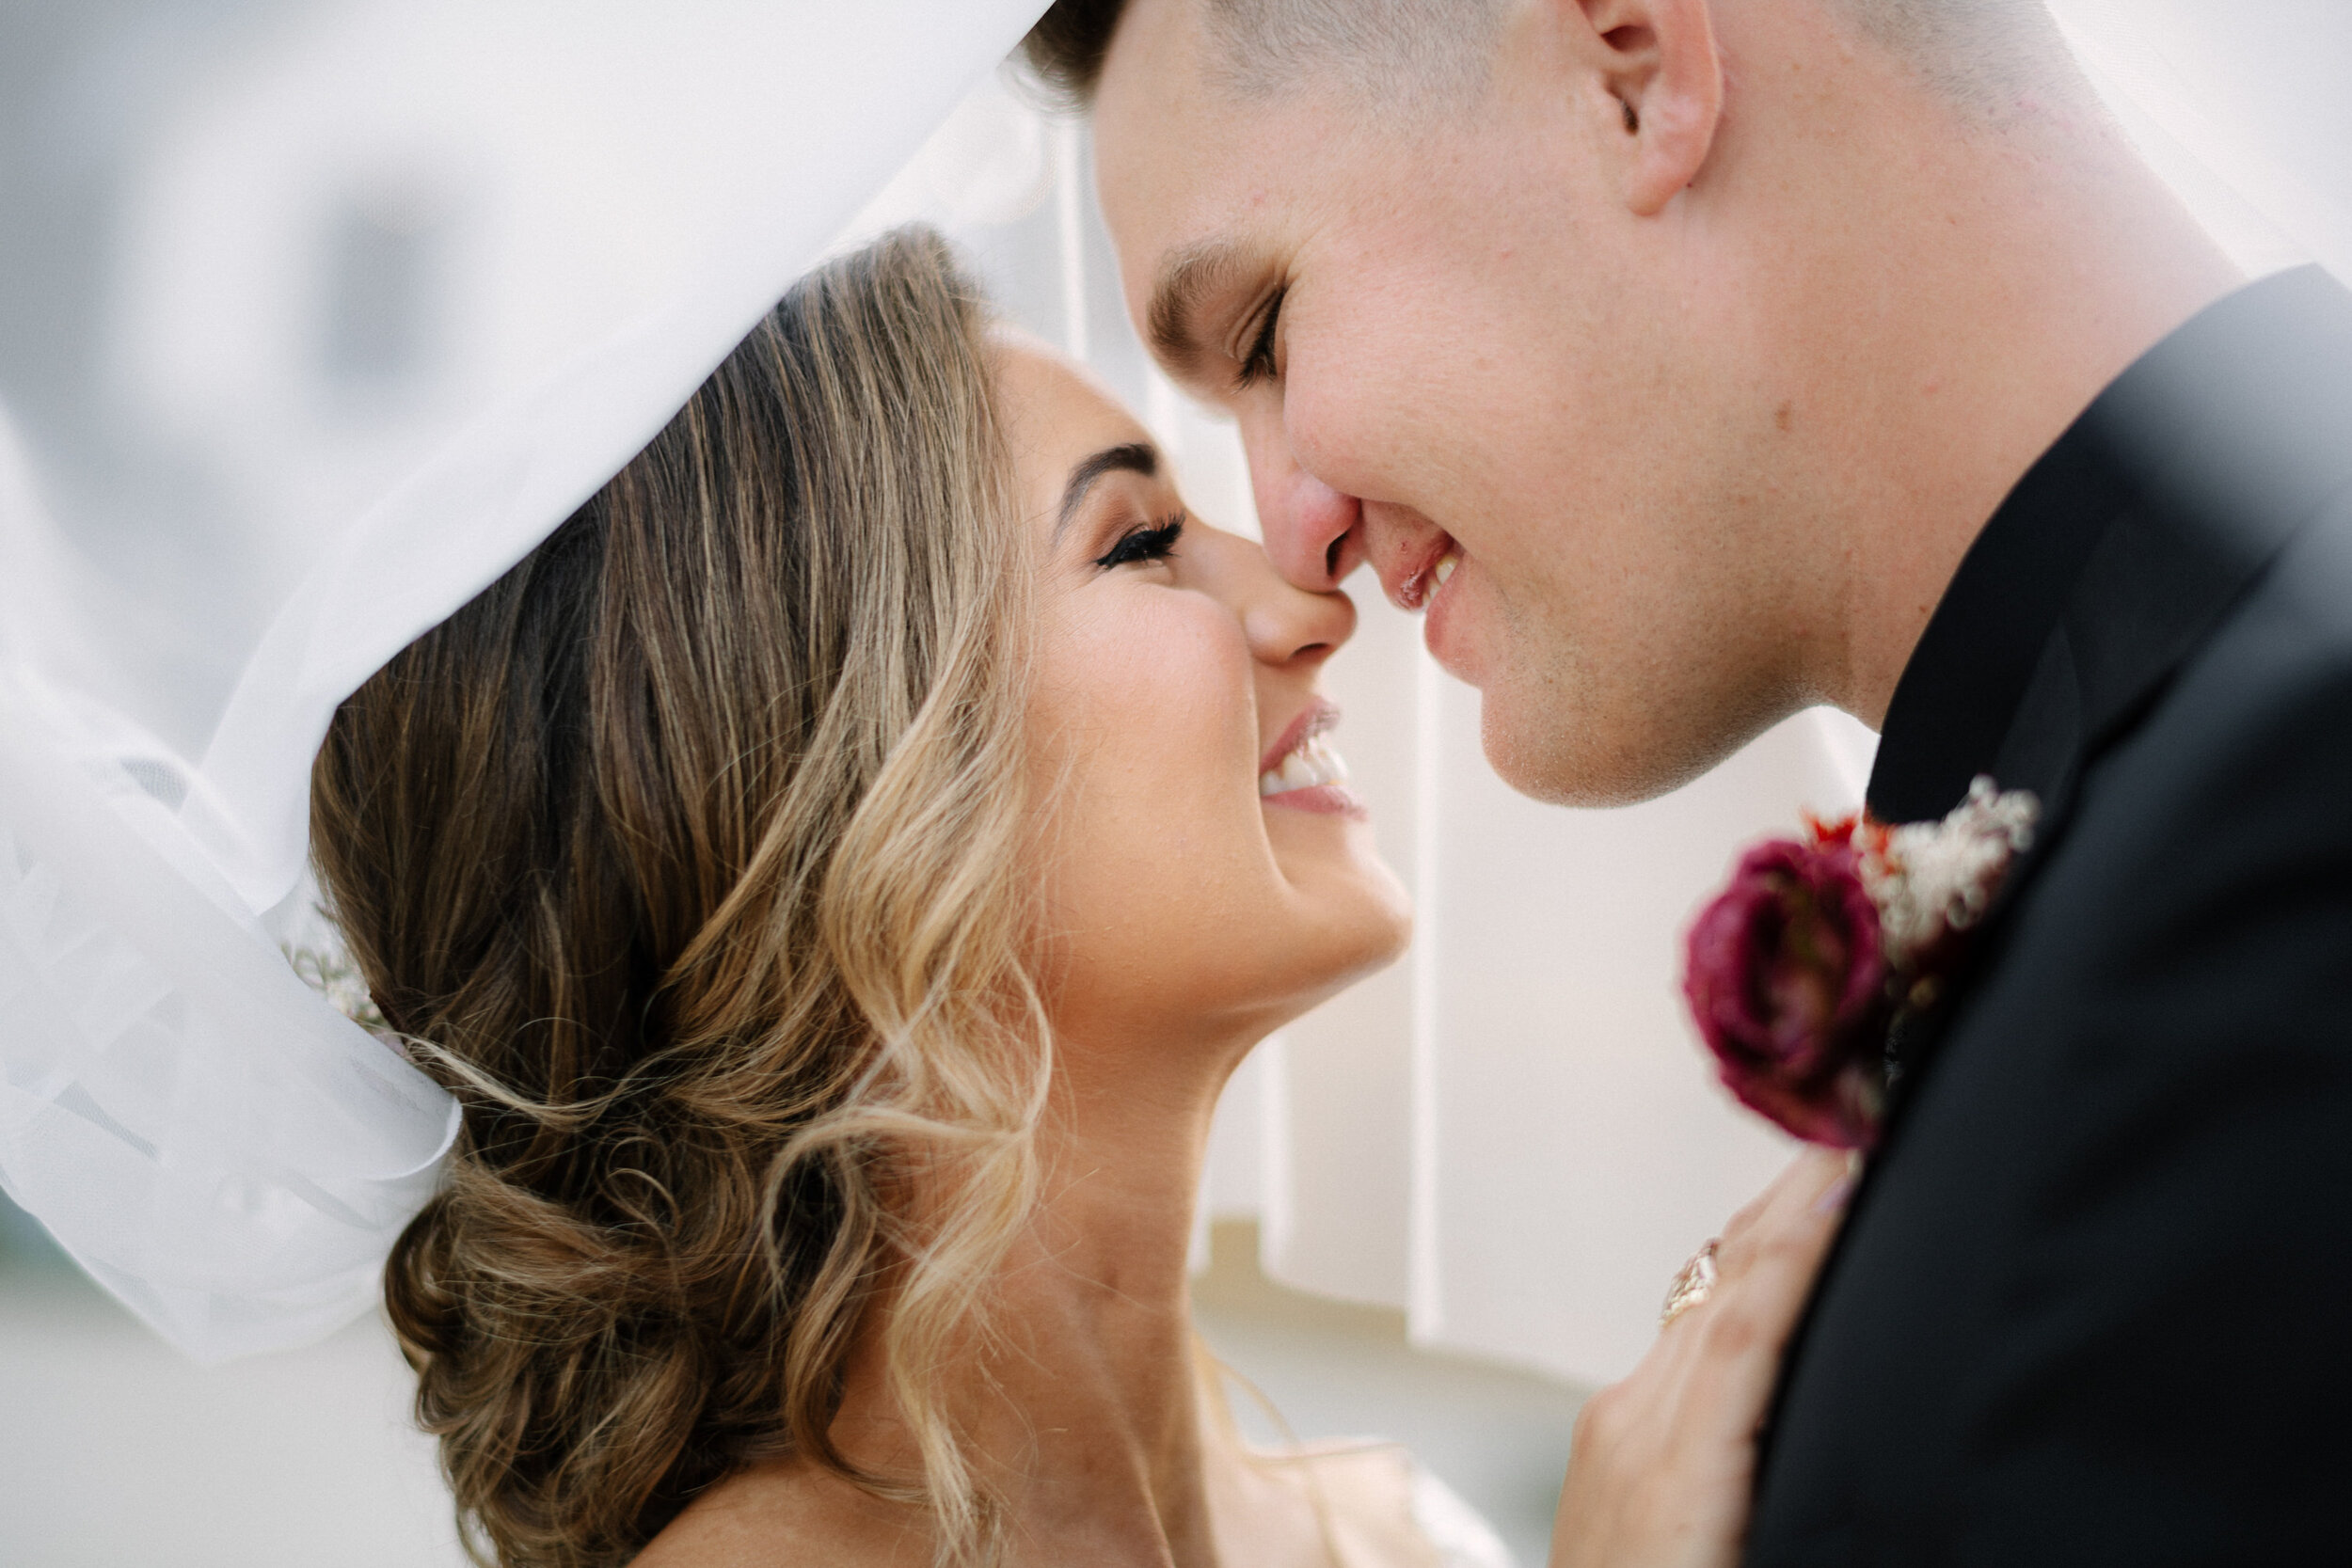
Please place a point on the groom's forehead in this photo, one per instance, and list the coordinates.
(1197, 237)
(1154, 41)
(1181, 172)
(1198, 181)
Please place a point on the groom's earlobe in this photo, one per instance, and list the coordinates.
(1658, 60)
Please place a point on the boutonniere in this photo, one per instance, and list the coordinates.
(1800, 972)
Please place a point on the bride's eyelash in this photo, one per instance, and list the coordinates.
(1144, 544)
(1258, 363)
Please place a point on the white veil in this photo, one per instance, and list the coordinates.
(208, 1136)
(271, 405)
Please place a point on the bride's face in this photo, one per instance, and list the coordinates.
(1204, 863)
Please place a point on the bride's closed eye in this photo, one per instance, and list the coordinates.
(1144, 545)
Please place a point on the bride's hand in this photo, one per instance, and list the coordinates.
(1663, 1464)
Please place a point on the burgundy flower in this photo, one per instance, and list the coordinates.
(1787, 979)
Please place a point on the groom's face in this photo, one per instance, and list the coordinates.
(1455, 358)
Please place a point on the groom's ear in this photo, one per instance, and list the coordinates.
(1657, 59)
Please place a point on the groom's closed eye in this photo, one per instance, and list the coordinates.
(1258, 362)
(1213, 281)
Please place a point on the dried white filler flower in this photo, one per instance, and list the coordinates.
(1932, 878)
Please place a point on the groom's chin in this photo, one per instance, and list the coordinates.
(1566, 757)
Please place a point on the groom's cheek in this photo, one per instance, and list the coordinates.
(1357, 425)
(1422, 400)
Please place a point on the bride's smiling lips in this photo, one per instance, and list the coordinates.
(1300, 772)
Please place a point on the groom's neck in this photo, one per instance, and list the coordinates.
(2001, 280)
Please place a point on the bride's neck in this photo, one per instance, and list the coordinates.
(1085, 1416)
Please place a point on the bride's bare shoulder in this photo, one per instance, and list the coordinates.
(784, 1514)
(1385, 1512)
(1363, 1504)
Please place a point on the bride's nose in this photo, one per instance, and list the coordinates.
(1286, 625)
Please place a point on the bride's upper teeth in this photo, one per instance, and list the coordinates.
(1312, 764)
(1445, 567)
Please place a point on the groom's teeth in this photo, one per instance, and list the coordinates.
(1445, 567)
(1314, 763)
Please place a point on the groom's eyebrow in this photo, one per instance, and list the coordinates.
(1186, 278)
(1132, 458)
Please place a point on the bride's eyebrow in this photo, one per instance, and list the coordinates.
(1133, 457)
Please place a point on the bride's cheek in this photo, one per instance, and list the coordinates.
(1158, 705)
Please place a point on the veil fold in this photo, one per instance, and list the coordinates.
(209, 1137)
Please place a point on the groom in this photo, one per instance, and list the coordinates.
(1692, 361)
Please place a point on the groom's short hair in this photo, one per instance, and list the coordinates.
(1979, 52)
(1261, 46)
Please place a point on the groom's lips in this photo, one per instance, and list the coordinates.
(1407, 550)
(1411, 577)
(1437, 631)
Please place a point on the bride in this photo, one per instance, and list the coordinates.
(837, 872)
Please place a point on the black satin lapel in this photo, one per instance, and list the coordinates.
(2152, 589)
(2155, 587)
(1962, 686)
(2044, 743)
(2132, 534)
(2230, 450)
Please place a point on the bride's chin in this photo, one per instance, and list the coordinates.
(1340, 968)
(1335, 873)
(1362, 922)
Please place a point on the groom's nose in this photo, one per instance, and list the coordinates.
(1311, 532)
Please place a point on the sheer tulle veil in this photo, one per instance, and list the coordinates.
(198, 561)
(203, 1129)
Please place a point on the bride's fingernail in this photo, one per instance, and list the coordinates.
(1833, 1197)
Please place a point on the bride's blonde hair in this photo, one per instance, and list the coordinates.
(688, 856)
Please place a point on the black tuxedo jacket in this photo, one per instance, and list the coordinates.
(2093, 1301)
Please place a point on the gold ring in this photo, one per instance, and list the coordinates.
(1692, 1285)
